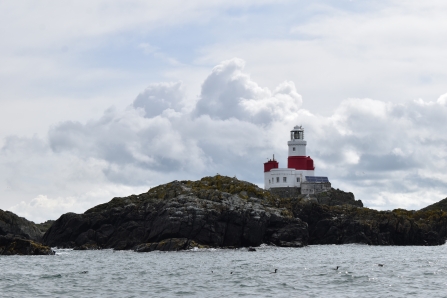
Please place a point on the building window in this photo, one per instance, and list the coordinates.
(277, 179)
(284, 179)
(298, 179)
(293, 148)
(269, 181)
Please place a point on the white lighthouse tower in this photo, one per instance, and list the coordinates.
(297, 144)
(300, 168)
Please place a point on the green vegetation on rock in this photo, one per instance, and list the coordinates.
(211, 188)
(221, 211)
(215, 211)
(18, 246)
(441, 205)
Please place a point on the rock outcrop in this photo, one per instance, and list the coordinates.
(13, 225)
(334, 197)
(214, 211)
(441, 205)
(348, 224)
(10, 245)
(225, 212)
(171, 244)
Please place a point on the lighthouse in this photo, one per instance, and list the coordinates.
(297, 153)
(300, 167)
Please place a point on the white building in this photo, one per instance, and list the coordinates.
(298, 164)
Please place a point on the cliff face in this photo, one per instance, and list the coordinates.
(348, 224)
(335, 217)
(214, 211)
(11, 224)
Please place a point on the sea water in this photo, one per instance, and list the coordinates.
(413, 271)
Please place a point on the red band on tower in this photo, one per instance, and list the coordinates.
(300, 163)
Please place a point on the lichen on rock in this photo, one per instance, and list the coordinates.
(10, 245)
(225, 212)
(215, 211)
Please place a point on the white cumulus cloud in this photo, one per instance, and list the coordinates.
(390, 155)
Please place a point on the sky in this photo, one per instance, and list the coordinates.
(100, 99)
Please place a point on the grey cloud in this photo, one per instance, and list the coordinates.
(385, 150)
(128, 142)
(14, 144)
(386, 163)
(427, 183)
(159, 97)
(106, 139)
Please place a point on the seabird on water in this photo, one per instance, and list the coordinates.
(337, 268)
(274, 272)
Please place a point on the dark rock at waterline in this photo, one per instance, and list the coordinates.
(171, 244)
(348, 224)
(335, 217)
(87, 246)
(18, 236)
(12, 224)
(214, 211)
(10, 245)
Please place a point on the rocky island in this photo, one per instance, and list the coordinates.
(19, 236)
(225, 212)
(295, 209)
(212, 212)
